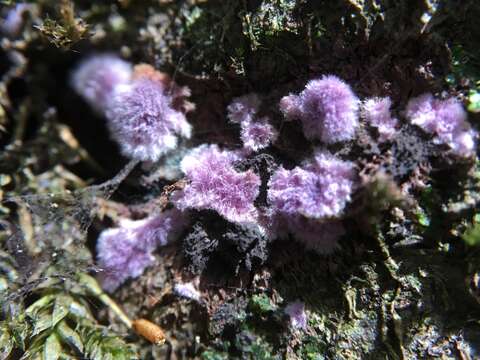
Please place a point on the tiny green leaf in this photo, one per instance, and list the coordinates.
(52, 347)
(472, 235)
(61, 308)
(79, 310)
(42, 321)
(43, 302)
(474, 101)
(69, 336)
(6, 342)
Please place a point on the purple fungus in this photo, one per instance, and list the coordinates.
(297, 314)
(291, 106)
(376, 112)
(141, 119)
(187, 291)
(243, 109)
(214, 184)
(126, 251)
(14, 19)
(327, 107)
(96, 78)
(446, 120)
(320, 189)
(257, 135)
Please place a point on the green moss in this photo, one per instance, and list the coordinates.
(59, 323)
(67, 29)
(213, 35)
(474, 99)
(269, 20)
(214, 355)
(472, 235)
(261, 304)
(255, 347)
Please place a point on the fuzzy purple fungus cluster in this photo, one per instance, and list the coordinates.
(244, 108)
(307, 201)
(214, 184)
(96, 78)
(256, 133)
(446, 120)
(320, 189)
(143, 122)
(138, 107)
(124, 252)
(376, 112)
(327, 108)
(187, 291)
(14, 20)
(298, 317)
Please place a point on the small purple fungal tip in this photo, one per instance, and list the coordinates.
(318, 190)
(243, 108)
(126, 251)
(376, 112)
(187, 290)
(143, 122)
(14, 20)
(291, 106)
(297, 314)
(214, 184)
(446, 120)
(327, 107)
(257, 135)
(96, 78)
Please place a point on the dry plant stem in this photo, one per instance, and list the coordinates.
(94, 289)
(142, 327)
(111, 185)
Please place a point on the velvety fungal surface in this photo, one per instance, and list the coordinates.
(97, 77)
(319, 189)
(446, 120)
(297, 315)
(214, 184)
(243, 109)
(143, 122)
(327, 108)
(257, 135)
(377, 114)
(126, 251)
